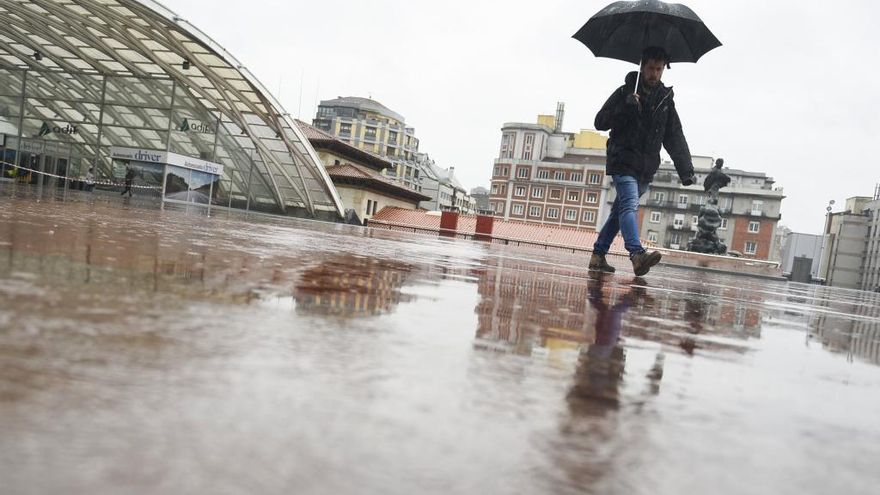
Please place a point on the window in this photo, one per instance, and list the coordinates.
(592, 198)
(694, 221)
(754, 227)
(499, 207)
(496, 171)
(505, 172)
(503, 189)
(519, 191)
(538, 192)
(589, 216)
(517, 209)
(757, 207)
(652, 236)
(370, 133)
(682, 200)
(595, 178)
(555, 193)
(543, 174)
(553, 213)
(369, 206)
(534, 211)
(577, 177)
(344, 128)
(375, 206)
(508, 140)
(571, 215)
(528, 144)
(522, 172)
(655, 217)
(674, 239)
(574, 196)
(723, 225)
(724, 203)
(751, 247)
(659, 197)
(558, 175)
(678, 221)
(494, 188)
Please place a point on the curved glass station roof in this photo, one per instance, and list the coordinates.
(80, 76)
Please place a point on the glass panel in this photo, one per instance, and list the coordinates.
(177, 182)
(200, 187)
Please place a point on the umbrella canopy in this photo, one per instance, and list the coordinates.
(623, 30)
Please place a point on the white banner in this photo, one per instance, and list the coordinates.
(155, 156)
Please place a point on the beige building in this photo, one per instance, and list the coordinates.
(358, 178)
(371, 126)
(544, 175)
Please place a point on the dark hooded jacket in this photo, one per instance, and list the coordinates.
(637, 134)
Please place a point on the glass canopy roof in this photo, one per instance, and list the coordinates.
(132, 73)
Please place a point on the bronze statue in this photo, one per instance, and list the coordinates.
(707, 240)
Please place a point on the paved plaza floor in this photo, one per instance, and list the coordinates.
(148, 350)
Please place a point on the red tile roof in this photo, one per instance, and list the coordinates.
(511, 230)
(353, 174)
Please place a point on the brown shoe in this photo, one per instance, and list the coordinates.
(598, 262)
(642, 262)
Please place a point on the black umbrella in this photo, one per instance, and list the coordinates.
(623, 30)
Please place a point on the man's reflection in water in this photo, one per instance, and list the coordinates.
(600, 367)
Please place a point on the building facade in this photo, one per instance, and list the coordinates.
(871, 272)
(846, 236)
(798, 246)
(750, 207)
(547, 176)
(370, 126)
(851, 244)
(357, 175)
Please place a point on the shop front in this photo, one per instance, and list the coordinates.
(166, 175)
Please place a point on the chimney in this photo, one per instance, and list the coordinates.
(451, 172)
(560, 113)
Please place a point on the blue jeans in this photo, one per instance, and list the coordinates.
(623, 217)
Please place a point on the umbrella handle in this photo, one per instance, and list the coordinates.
(638, 75)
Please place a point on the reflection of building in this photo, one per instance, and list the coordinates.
(544, 175)
(524, 306)
(357, 175)
(750, 209)
(139, 76)
(351, 286)
(857, 335)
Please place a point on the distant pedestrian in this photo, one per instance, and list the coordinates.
(640, 120)
(129, 178)
(90, 179)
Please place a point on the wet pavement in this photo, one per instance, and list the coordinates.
(167, 351)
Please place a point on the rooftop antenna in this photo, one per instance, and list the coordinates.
(560, 113)
(302, 76)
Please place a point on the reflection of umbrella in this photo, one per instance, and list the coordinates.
(623, 30)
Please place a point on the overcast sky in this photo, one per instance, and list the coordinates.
(793, 91)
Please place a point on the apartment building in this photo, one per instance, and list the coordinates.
(851, 244)
(750, 207)
(548, 176)
(369, 125)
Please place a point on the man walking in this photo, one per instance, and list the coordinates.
(640, 122)
(129, 179)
